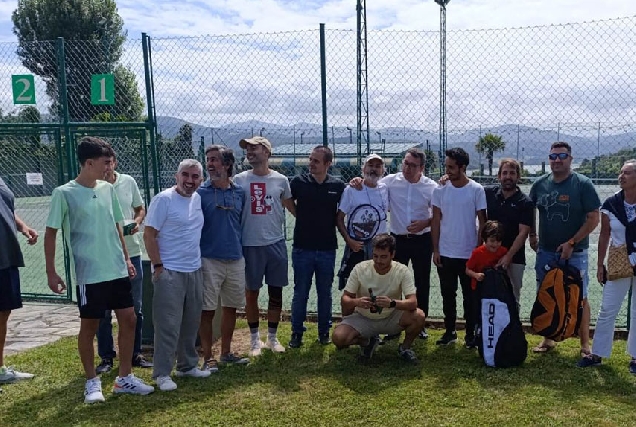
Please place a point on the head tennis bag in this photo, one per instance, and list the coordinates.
(500, 337)
(558, 310)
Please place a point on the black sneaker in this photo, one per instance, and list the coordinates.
(447, 338)
(589, 360)
(407, 354)
(324, 339)
(105, 366)
(367, 351)
(632, 366)
(470, 342)
(140, 362)
(296, 340)
(423, 334)
(391, 337)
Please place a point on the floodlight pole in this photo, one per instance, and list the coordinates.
(442, 74)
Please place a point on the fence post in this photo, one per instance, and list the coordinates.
(152, 126)
(323, 85)
(63, 100)
(202, 155)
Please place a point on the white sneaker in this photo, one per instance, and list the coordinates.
(9, 375)
(275, 345)
(165, 383)
(93, 391)
(255, 348)
(131, 384)
(194, 373)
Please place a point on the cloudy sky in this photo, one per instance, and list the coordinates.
(531, 69)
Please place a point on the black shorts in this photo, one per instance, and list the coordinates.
(10, 298)
(95, 299)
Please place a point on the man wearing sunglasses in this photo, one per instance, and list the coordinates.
(568, 212)
(222, 262)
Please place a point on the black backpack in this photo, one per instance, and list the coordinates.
(500, 337)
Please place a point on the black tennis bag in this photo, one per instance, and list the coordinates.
(500, 337)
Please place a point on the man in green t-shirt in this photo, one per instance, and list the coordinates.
(568, 212)
(88, 212)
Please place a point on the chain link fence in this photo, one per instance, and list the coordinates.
(529, 86)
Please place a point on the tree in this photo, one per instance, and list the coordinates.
(489, 144)
(94, 36)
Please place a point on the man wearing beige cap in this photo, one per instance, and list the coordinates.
(366, 213)
(264, 247)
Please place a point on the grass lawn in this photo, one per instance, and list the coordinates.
(316, 386)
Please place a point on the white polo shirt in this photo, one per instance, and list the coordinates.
(408, 201)
(129, 198)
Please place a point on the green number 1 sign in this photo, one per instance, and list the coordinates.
(102, 89)
(23, 89)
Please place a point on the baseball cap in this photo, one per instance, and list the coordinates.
(256, 140)
(372, 157)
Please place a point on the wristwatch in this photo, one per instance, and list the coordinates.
(393, 303)
(571, 242)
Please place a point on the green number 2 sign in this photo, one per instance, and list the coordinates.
(102, 89)
(23, 86)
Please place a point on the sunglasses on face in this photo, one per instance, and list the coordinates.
(562, 156)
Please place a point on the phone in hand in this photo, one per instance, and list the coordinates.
(604, 275)
(129, 228)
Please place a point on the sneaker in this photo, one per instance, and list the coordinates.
(324, 339)
(447, 338)
(140, 362)
(255, 348)
(165, 383)
(407, 354)
(105, 366)
(589, 360)
(9, 375)
(274, 345)
(470, 342)
(132, 385)
(210, 365)
(391, 337)
(194, 373)
(367, 351)
(233, 359)
(296, 340)
(93, 391)
(423, 335)
(632, 366)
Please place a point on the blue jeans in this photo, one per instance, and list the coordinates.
(577, 260)
(105, 346)
(306, 263)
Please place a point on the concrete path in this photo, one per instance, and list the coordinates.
(38, 324)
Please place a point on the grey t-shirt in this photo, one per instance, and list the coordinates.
(263, 214)
(11, 254)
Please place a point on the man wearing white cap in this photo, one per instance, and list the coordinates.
(366, 213)
(264, 247)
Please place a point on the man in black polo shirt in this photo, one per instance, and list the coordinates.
(316, 196)
(508, 205)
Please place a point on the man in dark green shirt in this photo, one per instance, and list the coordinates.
(568, 212)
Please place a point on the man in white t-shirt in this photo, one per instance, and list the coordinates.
(454, 232)
(172, 236)
(366, 213)
(264, 248)
(379, 299)
(132, 207)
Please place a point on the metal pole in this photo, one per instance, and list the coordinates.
(61, 67)
(517, 142)
(323, 85)
(151, 122)
(202, 155)
(598, 149)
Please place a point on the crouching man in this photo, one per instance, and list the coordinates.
(379, 298)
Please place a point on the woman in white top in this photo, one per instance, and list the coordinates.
(617, 211)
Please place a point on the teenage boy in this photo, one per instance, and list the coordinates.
(88, 212)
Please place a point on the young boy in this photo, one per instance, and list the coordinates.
(88, 211)
(483, 257)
